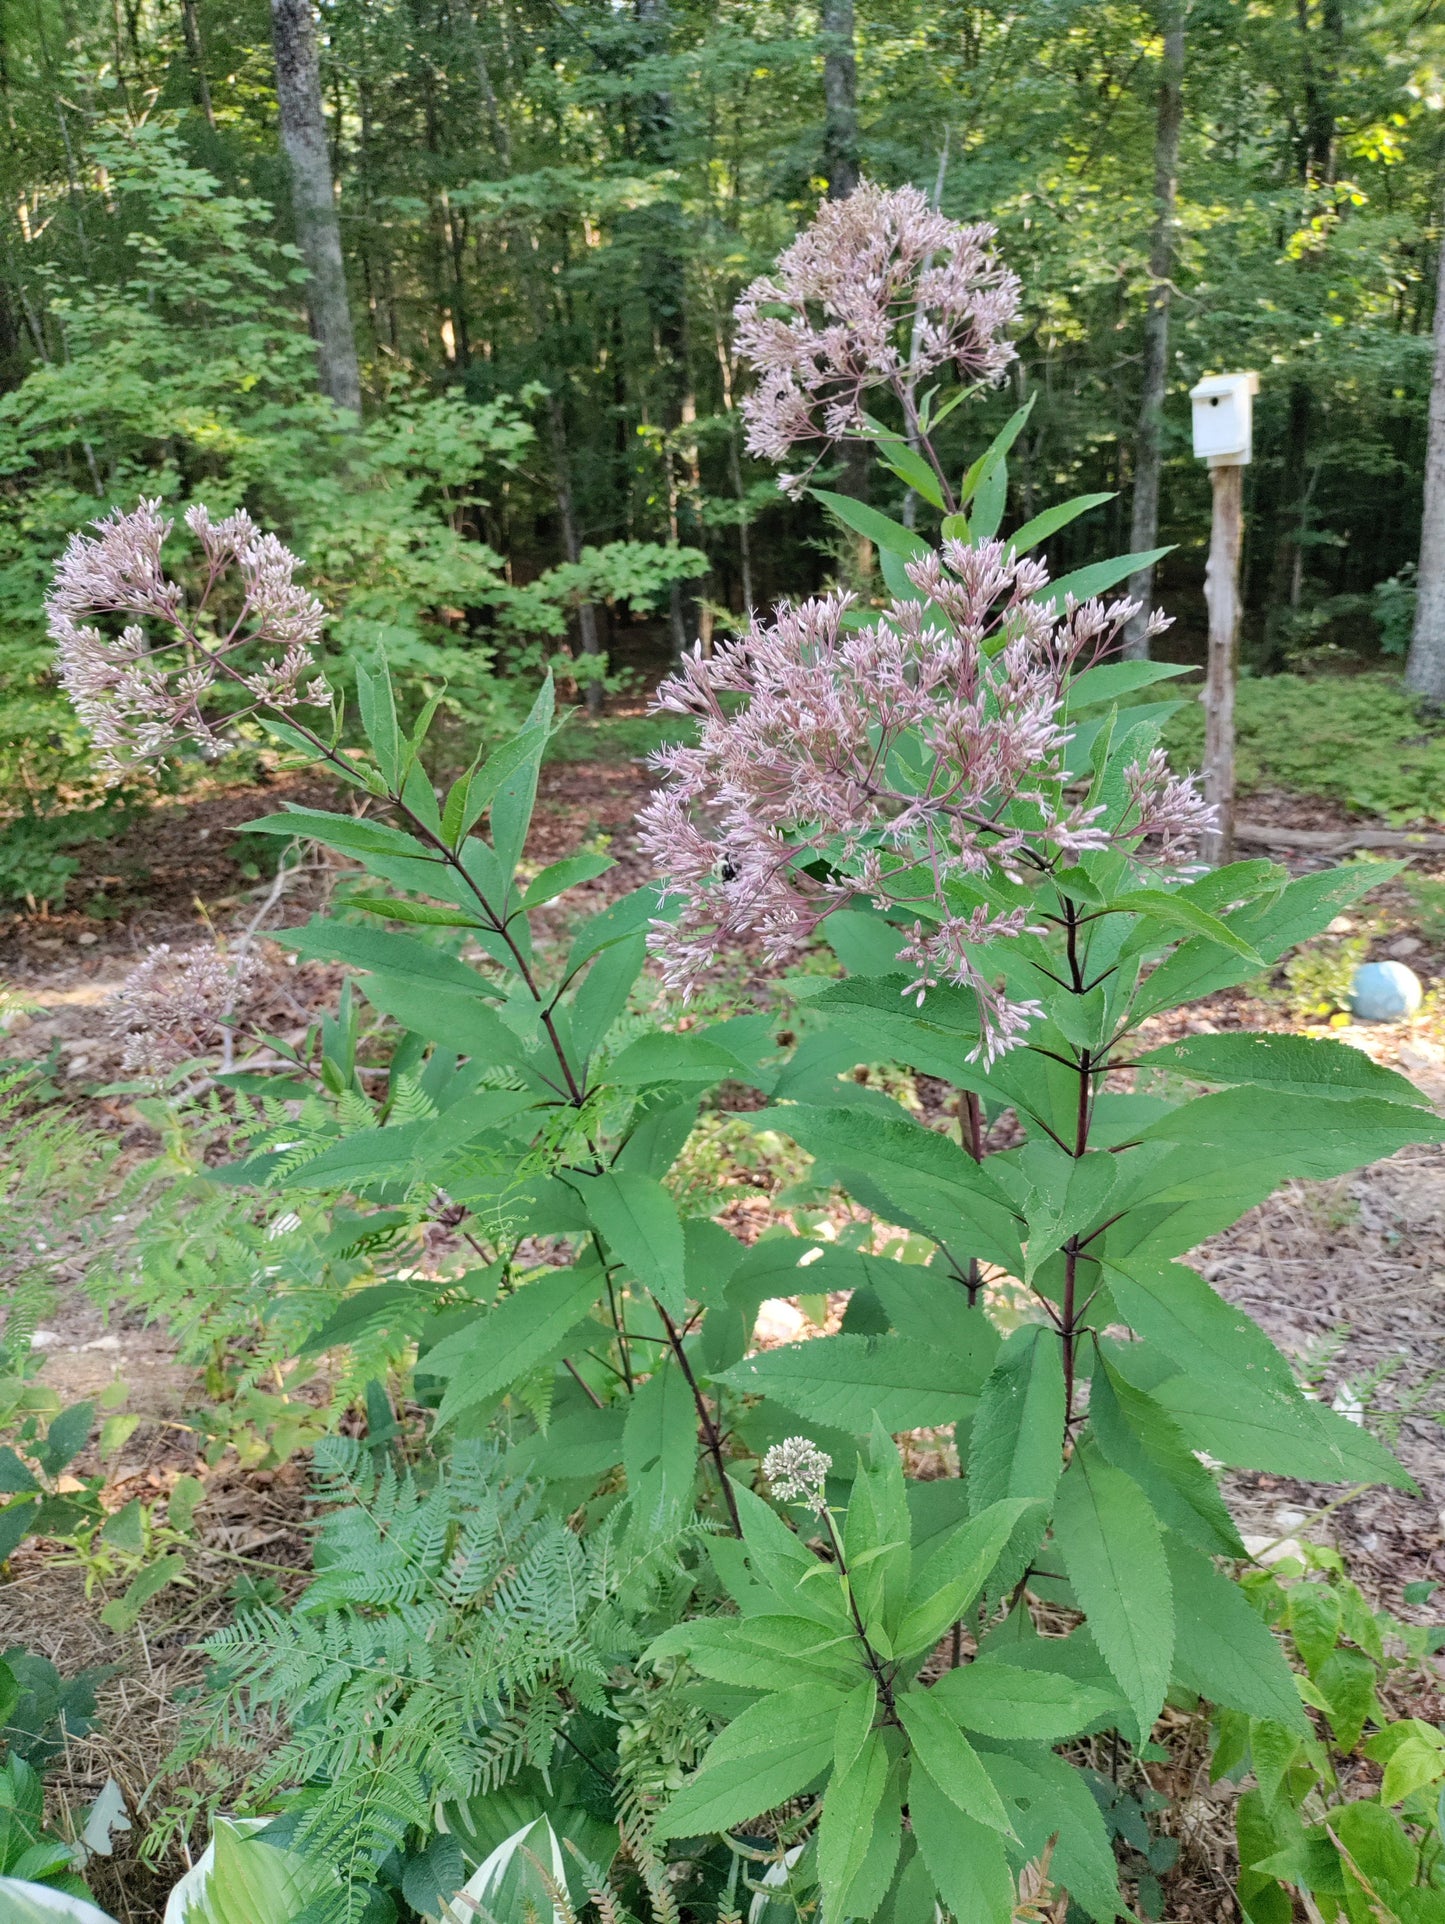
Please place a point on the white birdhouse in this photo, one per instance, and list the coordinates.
(1223, 423)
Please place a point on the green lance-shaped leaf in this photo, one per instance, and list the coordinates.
(1096, 579)
(954, 1572)
(481, 1360)
(638, 1221)
(1290, 1064)
(461, 1022)
(1003, 1700)
(847, 1380)
(941, 1750)
(1015, 1445)
(378, 717)
(1224, 1649)
(1113, 1553)
(665, 1057)
(1309, 1136)
(659, 1443)
(1236, 1395)
(873, 526)
(1106, 683)
(1280, 921)
(516, 794)
(967, 1860)
(345, 833)
(773, 1653)
(402, 958)
(1048, 1798)
(558, 877)
(845, 1831)
(770, 1753)
(1052, 520)
(932, 1178)
(1138, 1435)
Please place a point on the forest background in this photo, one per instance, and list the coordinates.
(544, 213)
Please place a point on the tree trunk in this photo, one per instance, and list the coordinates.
(1425, 670)
(1144, 532)
(196, 50)
(840, 97)
(318, 231)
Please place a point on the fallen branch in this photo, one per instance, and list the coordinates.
(1334, 841)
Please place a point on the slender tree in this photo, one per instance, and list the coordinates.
(318, 229)
(1148, 443)
(1425, 670)
(840, 98)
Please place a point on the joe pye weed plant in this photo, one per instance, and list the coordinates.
(806, 1660)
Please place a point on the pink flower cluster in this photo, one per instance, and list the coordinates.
(174, 1007)
(914, 759)
(880, 291)
(138, 694)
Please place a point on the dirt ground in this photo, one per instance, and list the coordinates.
(1348, 1277)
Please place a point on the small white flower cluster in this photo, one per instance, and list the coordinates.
(140, 692)
(795, 1470)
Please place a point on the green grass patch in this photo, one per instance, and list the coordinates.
(621, 738)
(1360, 740)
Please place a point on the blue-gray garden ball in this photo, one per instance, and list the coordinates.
(1385, 992)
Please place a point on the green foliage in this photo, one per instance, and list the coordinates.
(39, 1713)
(454, 1631)
(576, 1589)
(187, 371)
(1363, 1843)
(1357, 739)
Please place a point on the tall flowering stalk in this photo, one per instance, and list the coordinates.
(915, 759)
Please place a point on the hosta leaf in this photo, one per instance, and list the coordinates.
(1113, 1554)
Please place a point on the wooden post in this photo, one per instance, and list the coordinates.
(1221, 592)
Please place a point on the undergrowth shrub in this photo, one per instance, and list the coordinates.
(1357, 739)
(673, 1594)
